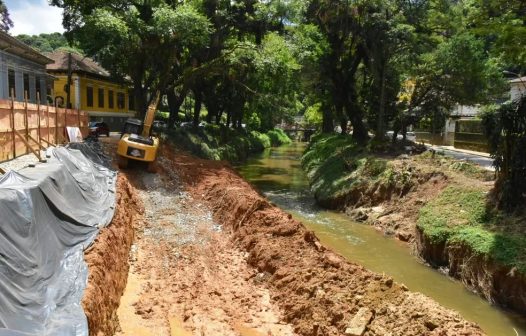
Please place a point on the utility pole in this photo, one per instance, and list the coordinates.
(68, 91)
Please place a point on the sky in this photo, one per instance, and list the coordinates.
(34, 17)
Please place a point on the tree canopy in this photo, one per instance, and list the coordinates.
(369, 64)
(5, 21)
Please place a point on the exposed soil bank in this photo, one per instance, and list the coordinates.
(108, 265)
(319, 292)
(402, 195)
(496, 283)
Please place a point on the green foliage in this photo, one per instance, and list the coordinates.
(278, 137)
(5, 21)
(215, 142)
(501, 22)
(505, 127)
(459, 216)
(49, 42)
(337, 166)
(313, 115)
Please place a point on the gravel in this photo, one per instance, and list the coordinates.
(172, 214)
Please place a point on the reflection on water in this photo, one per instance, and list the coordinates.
(277, 173)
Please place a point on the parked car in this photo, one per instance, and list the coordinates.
(159, 124)
(411, 136)
(96, 128)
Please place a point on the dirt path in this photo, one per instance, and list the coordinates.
(186, 276)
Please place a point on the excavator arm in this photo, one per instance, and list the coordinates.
(150, 115)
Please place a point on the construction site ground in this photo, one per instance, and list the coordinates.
(213, 257)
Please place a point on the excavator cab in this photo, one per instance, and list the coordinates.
(132, 126)
(136, 141)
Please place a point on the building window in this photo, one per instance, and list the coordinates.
(120, 100)
(110, 99)
(49, 92)
(89, 96)
(27, 93)
(101, 97)
(38, 88)
(11, 82)
(131, 102)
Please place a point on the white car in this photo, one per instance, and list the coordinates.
(411, 136)
(159, 124)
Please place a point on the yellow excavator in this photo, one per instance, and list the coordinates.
(137, 142)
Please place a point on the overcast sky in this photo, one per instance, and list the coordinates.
(33, 17)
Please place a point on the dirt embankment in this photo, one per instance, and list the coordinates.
(397, 214)
(108, 265)
(318, 291)
(496, 283)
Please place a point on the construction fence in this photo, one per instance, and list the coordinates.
(26, 127)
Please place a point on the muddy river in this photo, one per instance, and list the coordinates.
(277, 173)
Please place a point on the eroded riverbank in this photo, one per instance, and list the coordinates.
(278, 174)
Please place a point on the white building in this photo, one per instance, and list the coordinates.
(518, 87)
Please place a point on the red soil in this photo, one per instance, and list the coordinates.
(318, 290)
(108, 265)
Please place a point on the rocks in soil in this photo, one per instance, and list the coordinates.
(359, 322)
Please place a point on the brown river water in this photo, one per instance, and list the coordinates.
(278, 175)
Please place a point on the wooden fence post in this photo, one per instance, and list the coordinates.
(65, 137)
(56, 125)
(13, 126)
(47, 114)
(38, 109)
(26, 121)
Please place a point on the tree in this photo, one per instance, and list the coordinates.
(5, 21)
(49, 42)
(458, 71)
(505, 127)
(503, 24)
(341, 22)
(142, 40)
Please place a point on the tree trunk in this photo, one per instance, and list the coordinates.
(355, 114)
(327, 120)
(139, 95)
(228, 118)
(197, 107)
(380, 126)
(174, 105)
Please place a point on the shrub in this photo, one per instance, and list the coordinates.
(278, 137)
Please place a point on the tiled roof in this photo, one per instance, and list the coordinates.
(16, 47)
(78, 63)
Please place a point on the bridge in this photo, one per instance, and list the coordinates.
(302, 134)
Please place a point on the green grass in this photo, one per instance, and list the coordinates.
(215, 142)
(336, 166)
(278, 137)
(458, 216)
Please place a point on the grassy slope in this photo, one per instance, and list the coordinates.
(459, 215)
(336, 167)
(220, 143)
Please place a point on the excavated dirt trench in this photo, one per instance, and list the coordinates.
(213, 257)
(108, 265)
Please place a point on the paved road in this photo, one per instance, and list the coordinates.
(482, 161)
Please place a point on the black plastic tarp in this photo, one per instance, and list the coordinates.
(49, 215)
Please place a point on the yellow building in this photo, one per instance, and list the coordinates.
(92, 89)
